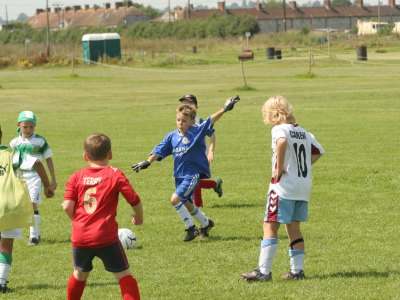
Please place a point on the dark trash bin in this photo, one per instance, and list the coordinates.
(362, 53)
(270, 53)
(278, 54)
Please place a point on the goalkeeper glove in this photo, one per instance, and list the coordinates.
(230, 103)
(140, 166)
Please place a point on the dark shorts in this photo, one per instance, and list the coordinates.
(185, 187)
(112, 256)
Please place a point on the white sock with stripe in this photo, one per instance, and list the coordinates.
(184, 214)
(296, 260)
(267, 254)
(200, 217)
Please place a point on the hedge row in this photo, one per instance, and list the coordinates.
(219, 27)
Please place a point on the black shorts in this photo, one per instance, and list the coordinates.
(112, 256)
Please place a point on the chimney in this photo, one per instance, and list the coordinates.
(130, 3)
(77, 7)
(221, 6)
(293, 5)
(258, 6)
(39, 10)
(392, 3)
(119, 4)
(327, 3)
(359, 3)
(87, 6)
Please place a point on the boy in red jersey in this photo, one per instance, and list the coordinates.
(90, 201)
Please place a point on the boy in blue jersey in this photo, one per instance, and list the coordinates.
(205, 183)
(187, 145)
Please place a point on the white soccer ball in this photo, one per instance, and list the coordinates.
(127, 238)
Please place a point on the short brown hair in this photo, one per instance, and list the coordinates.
(187, 110)
(97, 146)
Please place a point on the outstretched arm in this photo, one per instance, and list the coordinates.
(144, 164)
(229, 104)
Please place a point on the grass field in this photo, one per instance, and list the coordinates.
(352, 236)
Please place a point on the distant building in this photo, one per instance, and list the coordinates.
(294, 17)
(9, 27)
(369, 27)
(76, 16)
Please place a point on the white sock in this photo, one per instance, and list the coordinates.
(4, 271)
(34, 230)
(184, 214)
(200, 217)
(267, 254)
(296, 260)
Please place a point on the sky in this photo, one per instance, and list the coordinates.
(15, 7)
(12, 8)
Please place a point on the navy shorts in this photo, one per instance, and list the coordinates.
(112, 256)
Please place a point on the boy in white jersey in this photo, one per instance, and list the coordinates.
(28, 142)
(294, 151)
(9, 186)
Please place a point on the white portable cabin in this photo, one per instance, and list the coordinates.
(369, 27)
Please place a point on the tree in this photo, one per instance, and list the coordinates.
(22, 17)
(341, 3)
(148, 10)
(272, 4)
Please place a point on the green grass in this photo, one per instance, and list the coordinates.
(352, 234)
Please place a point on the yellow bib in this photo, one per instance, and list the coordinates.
(15, 203)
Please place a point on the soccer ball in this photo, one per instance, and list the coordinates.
(127, 238)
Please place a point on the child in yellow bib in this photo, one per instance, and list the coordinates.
(15, 206)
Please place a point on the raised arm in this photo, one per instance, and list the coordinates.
(229, 104)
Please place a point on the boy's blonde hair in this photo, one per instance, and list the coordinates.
(187, 110)
(277, 110)
(97, 146)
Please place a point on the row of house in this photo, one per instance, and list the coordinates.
(292, 17)
(77, 16)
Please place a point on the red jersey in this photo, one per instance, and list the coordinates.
(95, 192)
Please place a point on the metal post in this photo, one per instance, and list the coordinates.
(169, 11)
(6, 15)
(48, 29)
(284, 14)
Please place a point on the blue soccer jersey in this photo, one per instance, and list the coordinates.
(189, 150)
